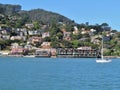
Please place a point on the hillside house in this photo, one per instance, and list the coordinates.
(34, 32)
(92, 30)
(75, 30)
(28, 47)
(83, 39)
(85, 32)
(29, 25)
(66, 36)
(45, 34)
(35, 39)
(15, 45)
(17, 51)
(4, 32)
(15, 38)
(94, 40)
(6, 37)
(46, 45)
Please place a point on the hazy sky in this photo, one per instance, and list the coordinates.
(81, 11)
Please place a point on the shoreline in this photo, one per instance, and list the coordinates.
(34, 56)
(112, 56)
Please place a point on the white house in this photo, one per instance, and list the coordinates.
(45, 34)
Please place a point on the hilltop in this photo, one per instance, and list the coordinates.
(39, 15)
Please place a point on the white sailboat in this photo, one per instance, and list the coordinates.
(102, 59)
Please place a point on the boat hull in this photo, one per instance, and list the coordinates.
(103, 61)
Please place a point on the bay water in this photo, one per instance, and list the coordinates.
(58, 74)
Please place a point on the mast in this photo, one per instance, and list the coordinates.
(102, 49)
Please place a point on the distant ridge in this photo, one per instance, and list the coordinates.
(34, 14)
(47, 16)
(9, 9)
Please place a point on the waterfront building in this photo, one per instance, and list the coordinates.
(77, 52)
(42, 52)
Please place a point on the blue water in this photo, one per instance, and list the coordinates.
(58, 74)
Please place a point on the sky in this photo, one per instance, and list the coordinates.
(81, 11)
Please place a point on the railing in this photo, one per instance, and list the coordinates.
(77, 53)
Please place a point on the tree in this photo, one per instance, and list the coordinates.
(75, 43)
(66, 44)
(104, 24)
(4, 43)
(47, 39)
(55, 44)
(1, 10)
(60, 35)
(54, 29)
(76, 37)
(36, 25)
